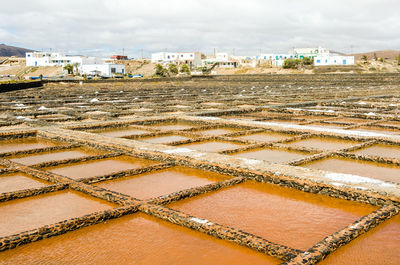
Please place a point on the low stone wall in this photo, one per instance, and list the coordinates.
(344, 236)
(176, 196)
(16, 135)
(8, 196)
(39, 150)
(220, 231)
(125, 173)
(62, 227)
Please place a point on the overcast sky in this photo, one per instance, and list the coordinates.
(104, 27)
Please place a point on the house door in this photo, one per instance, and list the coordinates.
(344, 62)
(35, 63)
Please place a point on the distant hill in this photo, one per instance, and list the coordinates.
(8, 51)
(390, 54)
(335, 52)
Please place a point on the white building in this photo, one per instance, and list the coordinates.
(321, 60)
(321, 56)
(192, 59)
(103, 69)
(277, 59)
(221, 59)
(246, 61)
(51, 59)
(310, 52)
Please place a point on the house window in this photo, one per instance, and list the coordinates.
(181, 55)
(29, 55)
(168, 57)
(113, 70)
(326, 60)
(318, 61)
(191, 55)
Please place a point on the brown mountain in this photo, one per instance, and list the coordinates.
(385, 54)
(8, 51)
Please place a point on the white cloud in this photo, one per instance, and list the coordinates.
(103, 27)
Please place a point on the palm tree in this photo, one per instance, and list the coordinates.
(69, 68)
(364, 58)
(75, 66)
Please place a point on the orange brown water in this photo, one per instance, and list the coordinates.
(285, 121)
(55, 155)
(390, 123)
(237, 117)
(212, 146)
(120, 132)
(154, 184)
(164, 139)
(380, 150)
(265, 137)
(272, 155)
(29, 213)
(362, 168)
(328, 125)
(173, 126)
(221, 131)
(322, 143)
(14, 182)
(282, 215)
(310, 117)
(377, 130)
(100, 167)
(136, 239)
(353, 120)
(24, 144)
(380, 246)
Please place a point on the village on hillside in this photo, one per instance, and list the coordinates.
(57, 65)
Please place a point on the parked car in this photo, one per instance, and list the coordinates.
(135, 76)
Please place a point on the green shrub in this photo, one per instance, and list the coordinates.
(297, 63)
(372, 69)
(173, 69)
(161, 71)
(308, 61)
(185, 69)
(291, 63)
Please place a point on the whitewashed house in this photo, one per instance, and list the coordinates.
(321, 60)
(103, 69)
(192, 59)
(277, 59)
(222, 59)
(321, 56)
(310, 52)
(51, 59)
(246, 61)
